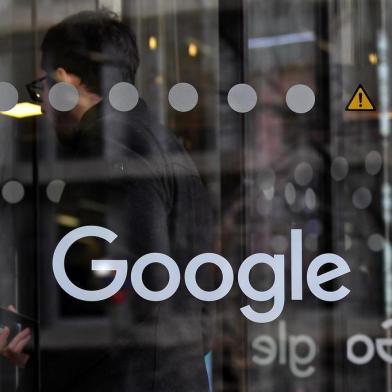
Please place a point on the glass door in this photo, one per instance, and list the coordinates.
(254, 131)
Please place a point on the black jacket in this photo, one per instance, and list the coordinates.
(154, 201)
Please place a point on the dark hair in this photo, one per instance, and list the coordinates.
(95, 46)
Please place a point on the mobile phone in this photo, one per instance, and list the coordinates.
(15, 321)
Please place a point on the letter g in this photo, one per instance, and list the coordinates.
(120, 266)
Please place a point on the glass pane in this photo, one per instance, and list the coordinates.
(323, 170)
(195, 195)
(18, 262)
(144, 173)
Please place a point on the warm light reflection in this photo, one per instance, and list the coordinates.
(24, 109)
(67, 220)
(152, 43)
(373, 58)
(193, 49)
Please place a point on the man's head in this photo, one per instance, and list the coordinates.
(92, 50)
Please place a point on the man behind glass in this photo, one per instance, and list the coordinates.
(154, 201)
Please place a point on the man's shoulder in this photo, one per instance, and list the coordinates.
(138, 133)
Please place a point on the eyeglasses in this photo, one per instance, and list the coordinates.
(36, 88)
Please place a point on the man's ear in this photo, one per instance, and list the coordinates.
(63, 76)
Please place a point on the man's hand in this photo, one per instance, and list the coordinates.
(13, 350)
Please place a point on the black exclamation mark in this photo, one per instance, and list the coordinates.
(360, 100)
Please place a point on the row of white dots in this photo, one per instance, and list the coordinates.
(183, 97)
(298, 199)
(339, 170)
(303, 175)
(13, 192)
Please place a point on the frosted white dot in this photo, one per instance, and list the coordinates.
(183, 97)
(339, 168)
(242, 98)
(54, 190)
(362, 198)
(13, 192)
(8, 96)
(373, 162)
(300, 98)
(63, 97)
(303, 173)
(123, 96)
(376, 242)
(290, 193)
(310, 199)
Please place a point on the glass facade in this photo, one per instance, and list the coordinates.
(246, 121)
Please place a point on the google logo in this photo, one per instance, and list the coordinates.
(276, 292)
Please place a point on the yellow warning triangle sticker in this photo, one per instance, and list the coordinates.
(360, 101)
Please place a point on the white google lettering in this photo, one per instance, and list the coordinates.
(276, 263)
